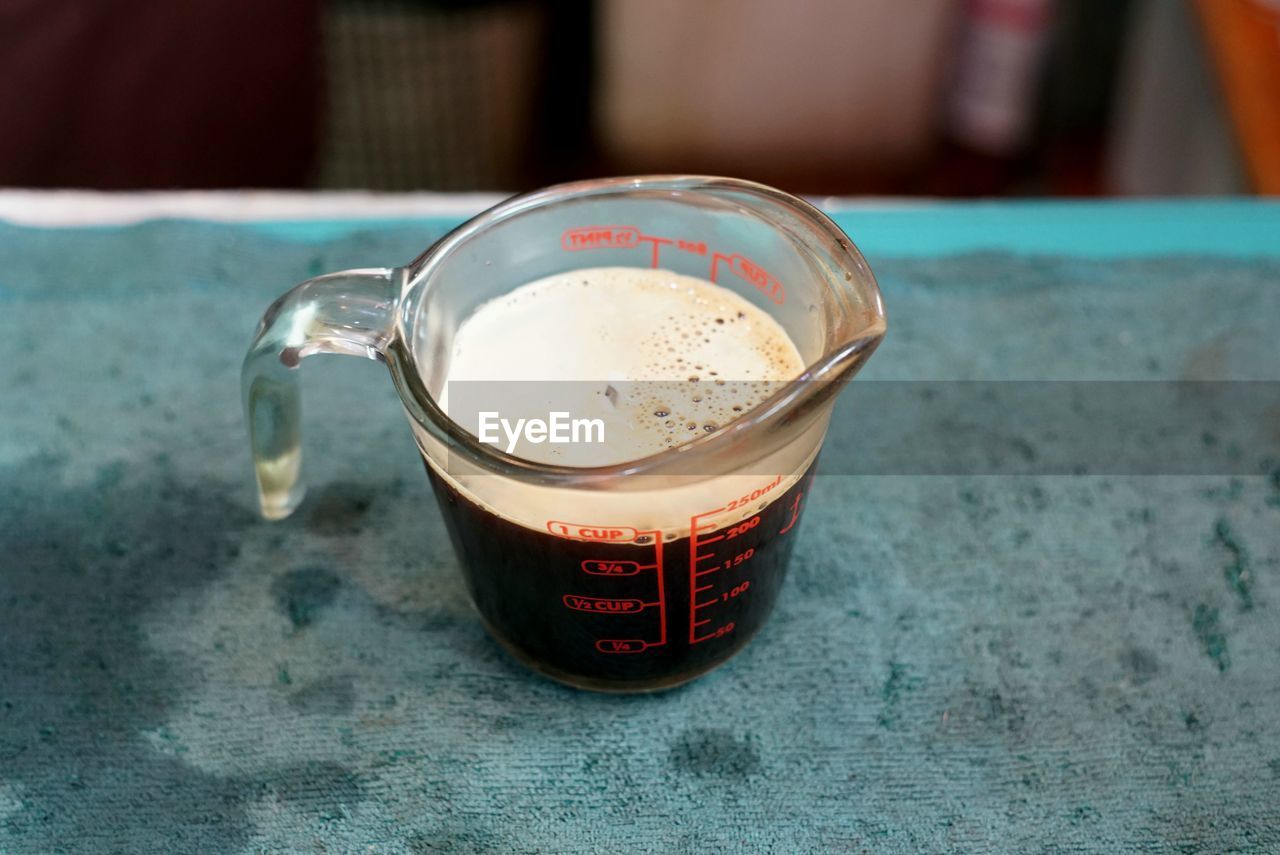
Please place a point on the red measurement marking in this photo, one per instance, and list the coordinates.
(696, 524)
(662, 595)
(604, 605)
(618, 567)
(600, 237)
(747, 498)
(630, 237)
(741, 528)
(752, 273)
(702, 564)
(795, 513)
(718, 632)
(600, 567)
(622, 645)
(658, 243)
(586, 531)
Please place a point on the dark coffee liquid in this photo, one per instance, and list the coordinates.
(621, 610)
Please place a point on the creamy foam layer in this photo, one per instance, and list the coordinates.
(659, 357)
(623, 343)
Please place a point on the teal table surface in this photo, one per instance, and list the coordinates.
(972, 661)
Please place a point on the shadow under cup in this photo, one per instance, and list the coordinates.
(629, 577)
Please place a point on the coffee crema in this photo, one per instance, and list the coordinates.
(659, 357)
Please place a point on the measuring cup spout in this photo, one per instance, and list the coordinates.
(350, 313)
(841, 364)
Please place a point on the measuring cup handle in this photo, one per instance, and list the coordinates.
(352, 313)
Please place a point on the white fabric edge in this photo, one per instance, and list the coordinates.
(86, 207)
(64, 208)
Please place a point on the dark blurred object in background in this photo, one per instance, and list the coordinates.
(1078, 97)
(430, 94)
(988, 103)
(933, 97)
(1170, 132)
(456, 94)
(158, 93)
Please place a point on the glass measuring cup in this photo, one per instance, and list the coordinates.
(633, 576)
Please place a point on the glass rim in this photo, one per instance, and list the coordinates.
(820, 379)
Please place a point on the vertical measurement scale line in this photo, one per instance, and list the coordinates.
(694, 558)
(662, 596)
(584, 603)
(658, 243)
(693, 577)
(716, 258)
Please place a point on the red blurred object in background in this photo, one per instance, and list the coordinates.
(118, 94)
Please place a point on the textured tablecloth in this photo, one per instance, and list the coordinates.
(961, 663)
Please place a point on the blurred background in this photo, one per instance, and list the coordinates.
(929, 97)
